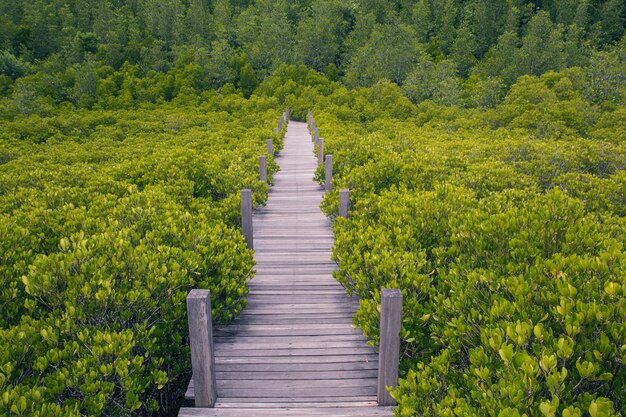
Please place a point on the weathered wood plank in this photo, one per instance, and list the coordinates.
(297, 400)
(296, 392)
(289, 384)
(301, 375)
(290, 352)
(287, 410)
(253, 346)
(356, 402)
(287, 339)
(288, 367)
(286, 291)
(296, 320)
(252, 331)
(297, 359)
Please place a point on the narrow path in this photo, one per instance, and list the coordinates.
(293, 351)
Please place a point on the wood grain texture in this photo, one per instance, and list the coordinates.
(328, 173)
(246, 217)
(201, 341)
(287, 410)
(320, 151)
(294, 351)
(390, 324)
(344, 202)
(263, 168)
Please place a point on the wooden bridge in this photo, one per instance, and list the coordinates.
(293, 351)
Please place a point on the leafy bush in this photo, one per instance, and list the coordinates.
(108, 219)
(506, 244)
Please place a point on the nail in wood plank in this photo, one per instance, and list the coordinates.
(201, 343)
(389, 355)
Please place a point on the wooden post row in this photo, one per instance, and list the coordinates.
(344, 202)
(246, 216)
(270, 147)
(389, 353)
(328, 175)
(263, 168)
(320, 151)
(201, 343)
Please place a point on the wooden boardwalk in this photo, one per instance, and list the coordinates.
(293, 351)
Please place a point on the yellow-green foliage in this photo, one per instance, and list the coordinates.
(107, 220)
(505, 231)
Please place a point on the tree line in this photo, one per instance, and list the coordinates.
(451, 51)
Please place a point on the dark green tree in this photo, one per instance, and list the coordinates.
(542, 47)
(421, 20)
(389, 54)
(318, 35)
(264, 34)
(247, 80)
(219, 67)
(464, 49)
(612, 19)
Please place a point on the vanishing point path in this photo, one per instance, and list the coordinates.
(293, 351)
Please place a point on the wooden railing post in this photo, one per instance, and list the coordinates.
(316, 135)
(263, 168)
(344, 202)
(320, 151)
(328, 175)
(201, 343)
(276, 131)
(270, 147)
(246, 216)
(389, 353)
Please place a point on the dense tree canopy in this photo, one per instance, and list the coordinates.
(491, 42)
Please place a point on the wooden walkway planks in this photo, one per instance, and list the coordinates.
(293, 351)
